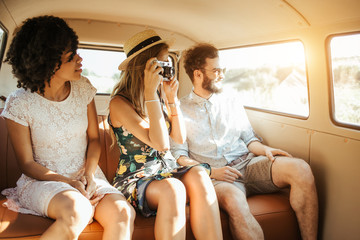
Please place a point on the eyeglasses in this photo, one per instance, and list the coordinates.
(217, 71)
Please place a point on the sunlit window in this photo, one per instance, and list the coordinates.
(345, 66)
(271, 77)
(3, 38)
(101, 68)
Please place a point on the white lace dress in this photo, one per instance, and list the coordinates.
(59, 142)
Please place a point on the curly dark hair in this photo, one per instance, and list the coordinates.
(36, 49)
(195, 57)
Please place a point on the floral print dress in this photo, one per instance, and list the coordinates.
(140, 164)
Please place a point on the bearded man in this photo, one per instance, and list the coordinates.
(220, 134)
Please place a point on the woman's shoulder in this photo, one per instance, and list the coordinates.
(20, 95)
(82, 82)
(120, 103)
(83, 88)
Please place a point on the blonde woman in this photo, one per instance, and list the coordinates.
(144, 111)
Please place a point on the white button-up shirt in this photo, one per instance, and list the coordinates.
(218, 130)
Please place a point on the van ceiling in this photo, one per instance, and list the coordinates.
(222, 22)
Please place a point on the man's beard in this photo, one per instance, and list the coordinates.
(209, 85)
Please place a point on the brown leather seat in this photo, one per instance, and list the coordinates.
(272, 211)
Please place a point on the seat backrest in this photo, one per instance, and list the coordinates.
(9, 169)
(110, 155)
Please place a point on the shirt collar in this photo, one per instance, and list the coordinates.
(200, 100)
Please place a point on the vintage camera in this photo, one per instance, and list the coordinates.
(168, 71)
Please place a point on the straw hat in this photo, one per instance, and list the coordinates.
(139, 43)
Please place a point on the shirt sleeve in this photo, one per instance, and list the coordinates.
(87, 89)
(15, 110)
(178, 150)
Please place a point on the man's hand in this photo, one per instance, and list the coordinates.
(260, 149)
(227, 174)
(271, 152)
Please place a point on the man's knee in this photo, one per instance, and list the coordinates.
(302, 173)
(291, 171)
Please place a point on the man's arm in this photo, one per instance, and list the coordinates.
(227, 174)
(181, 153)
(186, 161)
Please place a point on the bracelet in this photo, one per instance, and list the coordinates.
(174, 115)
(174, 105)
(154, 100)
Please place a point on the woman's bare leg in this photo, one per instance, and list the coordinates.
(168, 196)
(204, 208)
(72, 212)
(116, 216)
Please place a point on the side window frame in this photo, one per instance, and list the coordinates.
(3, 42)
(332, 109)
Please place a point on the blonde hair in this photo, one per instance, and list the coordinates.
(131, 84)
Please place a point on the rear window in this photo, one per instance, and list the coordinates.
(269, 77)
(100, 66)
(344, 61)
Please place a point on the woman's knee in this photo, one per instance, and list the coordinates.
(76, 211)
(173, 188)
(198, 183)
(197, 177)
(123, 212)
(167, 192)
(72, 212)
(198, 172)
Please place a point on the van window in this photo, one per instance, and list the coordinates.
(100, 66)
(345, 72)
(270, 77)
(3, 38)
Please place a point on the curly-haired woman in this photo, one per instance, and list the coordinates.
(52, 123)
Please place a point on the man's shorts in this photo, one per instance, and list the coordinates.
(256, 175)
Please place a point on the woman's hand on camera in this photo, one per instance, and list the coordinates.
(152, 78)
(170, 88)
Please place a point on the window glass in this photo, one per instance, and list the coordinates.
(345, 65)
(3, 38)
(271, 77)
(101, 68)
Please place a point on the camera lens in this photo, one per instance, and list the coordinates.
(168, 71)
